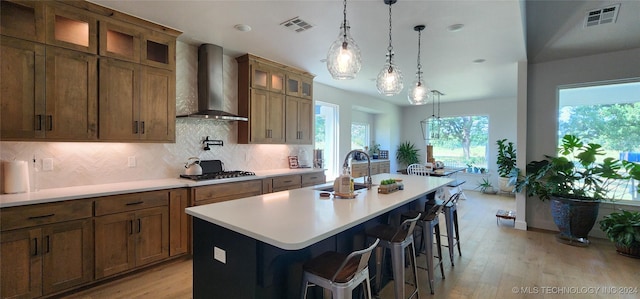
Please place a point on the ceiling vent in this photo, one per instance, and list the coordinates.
(297, 25)
(602, 16)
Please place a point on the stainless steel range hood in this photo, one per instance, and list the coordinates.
(211, 85)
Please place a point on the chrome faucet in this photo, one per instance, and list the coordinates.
(367, 180)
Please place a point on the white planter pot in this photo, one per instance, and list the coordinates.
(503, 183)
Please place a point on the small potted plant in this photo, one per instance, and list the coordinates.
(623, 229)
(374, 150)
(407, 154)
(387, 186)
(486, 187)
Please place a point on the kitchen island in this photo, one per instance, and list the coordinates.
(255, 247)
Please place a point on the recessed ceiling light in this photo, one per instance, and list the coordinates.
(479, 60)
(242, 27)
(455, 27)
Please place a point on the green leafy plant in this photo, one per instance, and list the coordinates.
(576, 173)
(407, 154)
(374, 149)
(622, 228)
(387, 182)
(485, 186)
(507, 161)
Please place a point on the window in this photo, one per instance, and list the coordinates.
(462, 142)
(359, 135)
(608, 114)
(326, 138)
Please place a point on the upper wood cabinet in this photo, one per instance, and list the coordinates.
(261, 84)
(119, 40)
(53, 91)
(71, 28)
(23, 19)
(299, 120)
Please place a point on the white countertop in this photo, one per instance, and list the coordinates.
(298, 218)
(89, 191)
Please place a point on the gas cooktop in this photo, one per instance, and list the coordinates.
(212, 170)
(218, 175)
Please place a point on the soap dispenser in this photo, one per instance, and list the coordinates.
(342, 184)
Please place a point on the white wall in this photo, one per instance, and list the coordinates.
(543, 80)
(502, 117)
(386, 124)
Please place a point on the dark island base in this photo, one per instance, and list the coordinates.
(254, 269)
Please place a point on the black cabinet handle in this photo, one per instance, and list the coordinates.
(134, 203)
(48, 244)
(131, 227)
(50, 123)
(35, 246)
(39, 122)
(41, 216)
(288, 181)
(139, 225)
(135, 127)
(142, 127)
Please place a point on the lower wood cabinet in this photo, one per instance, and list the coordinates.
(127, 240)
(46, 259)
(178, 222)
(227, 191)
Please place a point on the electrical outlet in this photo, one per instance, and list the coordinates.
(131, 161)
(47, 164)
(219, 255)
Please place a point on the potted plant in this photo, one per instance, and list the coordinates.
(507, 170)
(485, 186)
(623, 229)
(374, 150)
(388, 186)
(575, 183)
(407, 154)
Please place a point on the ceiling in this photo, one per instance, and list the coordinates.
(494, 31)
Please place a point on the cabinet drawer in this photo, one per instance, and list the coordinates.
(227, 191)
(358, 170)
(286, 182)
(131, 202)
(310, 179)
(32, 215)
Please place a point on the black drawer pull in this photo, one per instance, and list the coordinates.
(288, 181)
(134, 203)
(41, 216)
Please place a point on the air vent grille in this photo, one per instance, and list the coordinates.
(602, 16)
(297, 25)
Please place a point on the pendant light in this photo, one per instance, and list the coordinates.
(434, 124)
(343, 59)
(418, 93)
(389, 81)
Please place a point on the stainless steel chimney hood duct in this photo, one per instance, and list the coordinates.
(211, 85)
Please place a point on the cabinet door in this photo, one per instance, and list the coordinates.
(119, 40)
(22, 19)
(67, 255)
(114, 244)
(299, 120)
(299, 86)
(157, 105)
(71, 28)
(22, 92)
(158, 50)
(267, 117)
(21, 263)
(119, 100)
(71, 95)
(178, 222)
(268, 78)
(152, 235)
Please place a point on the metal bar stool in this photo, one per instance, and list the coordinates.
(338, 272)
(431, 230)
(451, 220)
(396, 239)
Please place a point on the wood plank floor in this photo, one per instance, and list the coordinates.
(496, 262)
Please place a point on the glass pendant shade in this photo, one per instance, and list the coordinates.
(343, 59)
(390, 80)
(418, 93)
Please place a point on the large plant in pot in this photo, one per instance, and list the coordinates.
(407, 154)
(575, 183)
(507, 170)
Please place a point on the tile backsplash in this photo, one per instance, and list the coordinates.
(88, 163)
